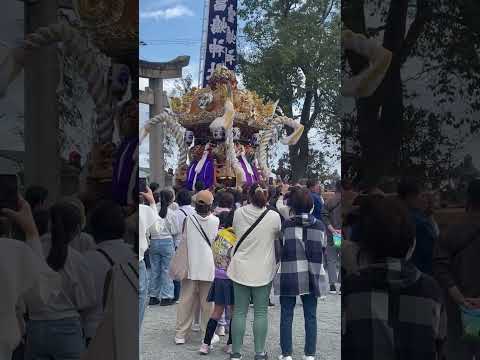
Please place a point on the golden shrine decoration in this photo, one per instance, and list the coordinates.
(112, 23)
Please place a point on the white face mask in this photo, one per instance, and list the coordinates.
(411, 250)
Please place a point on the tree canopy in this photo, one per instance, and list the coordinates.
(291, 53)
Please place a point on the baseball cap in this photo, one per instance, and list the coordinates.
(204, 197)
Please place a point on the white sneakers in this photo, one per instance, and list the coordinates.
(204, 349)
(215, 339)
(221, 331)
(196, 327)
(305, 357)
(179, 341)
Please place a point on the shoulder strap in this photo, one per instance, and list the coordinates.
(105, 254)
(184, 224)
(106, 287)
(250, 230)
(183, 211)
(470, 242)
(199, 227)
(333, 208)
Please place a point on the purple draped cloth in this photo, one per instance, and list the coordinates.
(125, 168)
(206, 175)
(250, 179)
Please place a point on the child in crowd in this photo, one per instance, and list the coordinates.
(221, 292)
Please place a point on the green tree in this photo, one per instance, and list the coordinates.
(319, 167)
(292, 54)
(440, 39)
(182, 86)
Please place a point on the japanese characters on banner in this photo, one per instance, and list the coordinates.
(221, 46)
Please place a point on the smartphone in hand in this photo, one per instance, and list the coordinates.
(142, 184)
(8, 191)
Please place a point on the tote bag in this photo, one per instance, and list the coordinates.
(178, 270)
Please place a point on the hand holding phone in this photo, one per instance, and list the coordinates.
(22, 217)
(148, 195)
(142, 185)
(8, 191)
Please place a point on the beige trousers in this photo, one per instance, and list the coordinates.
(193, 292)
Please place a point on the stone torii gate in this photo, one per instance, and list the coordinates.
(154, 96)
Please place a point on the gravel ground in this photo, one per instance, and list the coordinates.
(159, 330)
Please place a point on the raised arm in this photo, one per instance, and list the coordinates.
(24, 219)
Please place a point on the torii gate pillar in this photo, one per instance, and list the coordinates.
(156, 72)
(156, 140)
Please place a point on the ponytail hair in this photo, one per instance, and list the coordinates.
(166, 198)
(258, 196)
(65, 220)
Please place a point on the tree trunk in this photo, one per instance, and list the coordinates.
(299, 152)
(380, 120)
(380, 116)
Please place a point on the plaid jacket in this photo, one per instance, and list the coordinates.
(301, 257)
(392, 311)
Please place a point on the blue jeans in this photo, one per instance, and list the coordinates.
(176, 291)
(332, 259)
(54, 339)
(286, 319)
(143, 290)
(161, 253)
(177, 285)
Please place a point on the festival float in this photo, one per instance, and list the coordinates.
(98, 43)
(223, 133)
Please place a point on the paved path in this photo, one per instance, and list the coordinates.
(159, 327)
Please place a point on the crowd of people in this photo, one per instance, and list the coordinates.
(410, 285)
(234, 248)
(59, 264)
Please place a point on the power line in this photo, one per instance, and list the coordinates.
(171, 40)
(171, 43)
(182, 39)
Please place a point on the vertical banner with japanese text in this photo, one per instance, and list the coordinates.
(221, 47)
